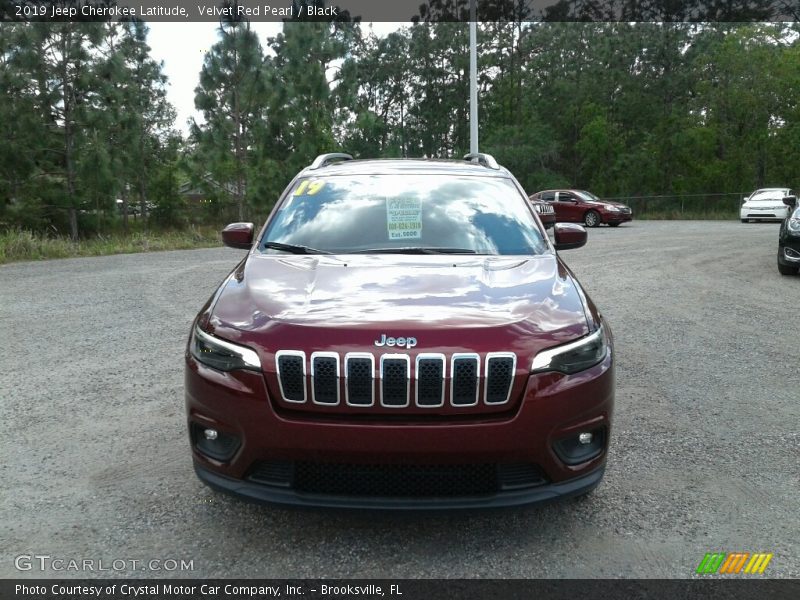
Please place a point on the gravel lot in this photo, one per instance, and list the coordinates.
(705, 452)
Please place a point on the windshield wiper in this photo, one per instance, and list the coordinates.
(293, 248)
(416, 250)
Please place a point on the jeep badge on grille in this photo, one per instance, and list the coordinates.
(407, 342)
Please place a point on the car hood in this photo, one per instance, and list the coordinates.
(602, 202)
(398, 294)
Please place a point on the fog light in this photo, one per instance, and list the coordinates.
(581, 447)
(214, 443)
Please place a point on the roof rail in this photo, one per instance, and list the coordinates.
(324, 159)
(487, 160)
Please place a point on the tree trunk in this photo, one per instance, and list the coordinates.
(69, 137)
(125, 209)
(142, 184)
(143, 201)
(73, 223)
(403, 150)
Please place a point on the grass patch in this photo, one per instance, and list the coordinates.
(17, 244)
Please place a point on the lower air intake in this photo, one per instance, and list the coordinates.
(395, 480)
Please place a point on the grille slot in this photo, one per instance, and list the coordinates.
(464, 374)
(291, 365)
(394, 380)
(414, 481)
(430, 380)
(325, 378)
(359, 370)
(499, 377)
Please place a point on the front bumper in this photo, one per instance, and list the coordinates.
(789, 252)
(553, 408)
(752, 214)
(614, 217)
(275, 495)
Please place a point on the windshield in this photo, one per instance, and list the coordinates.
(390, 213)
(768, 195)
(588, 196)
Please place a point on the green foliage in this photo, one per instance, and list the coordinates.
(232, 98)
(86, 113)
(304, 52)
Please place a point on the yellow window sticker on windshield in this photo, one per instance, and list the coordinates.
(309, 187)
(404, 218)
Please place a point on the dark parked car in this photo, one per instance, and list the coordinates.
(580, 206)
(546, 212)
(401, 334)
(789, 239)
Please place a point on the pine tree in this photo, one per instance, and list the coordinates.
(59, 60)
(23, 131)
(304, 53)
(231, 97)
(138, 116)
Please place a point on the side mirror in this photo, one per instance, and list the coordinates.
(790, 201)
(238, 235)
(569, 236)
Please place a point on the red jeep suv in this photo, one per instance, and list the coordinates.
(401, 334)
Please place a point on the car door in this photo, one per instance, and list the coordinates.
(567, 205)
(550, 197)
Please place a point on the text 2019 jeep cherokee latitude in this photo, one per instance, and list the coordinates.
(402, 334)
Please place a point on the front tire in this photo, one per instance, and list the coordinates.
(745, 220)
(591, 218)
(613, 224)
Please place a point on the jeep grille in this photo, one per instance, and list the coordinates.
(427, 380)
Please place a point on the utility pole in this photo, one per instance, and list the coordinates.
(473, 77)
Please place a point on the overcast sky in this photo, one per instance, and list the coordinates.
(182, 47)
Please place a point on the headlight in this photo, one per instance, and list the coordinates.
(612, 208)
(573, 357)
(794, 225)
(222, 355)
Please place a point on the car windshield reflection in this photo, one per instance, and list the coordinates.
(341, 215)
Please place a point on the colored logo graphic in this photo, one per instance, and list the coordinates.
(734, 562)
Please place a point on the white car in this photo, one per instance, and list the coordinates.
(765, 205)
